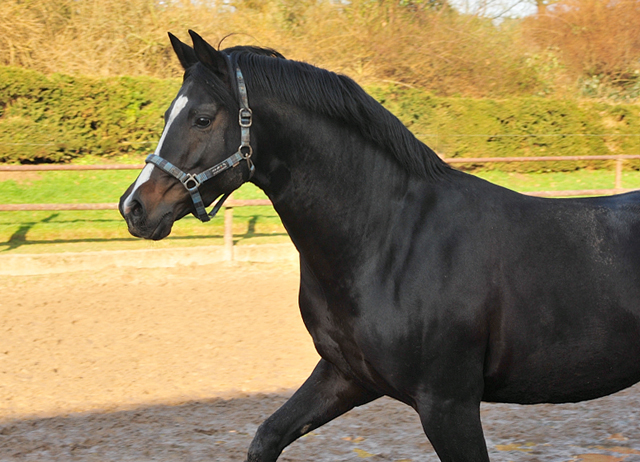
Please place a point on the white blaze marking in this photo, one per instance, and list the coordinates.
(178, 106)
(145, 174)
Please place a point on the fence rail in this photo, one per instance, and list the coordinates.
(566, 193)
(228, 205)
(231, 203)
(51, 167)
(111, 205)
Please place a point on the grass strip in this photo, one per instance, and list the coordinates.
(47, 231)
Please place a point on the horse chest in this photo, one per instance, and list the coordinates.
(332, 331)
(332, 325)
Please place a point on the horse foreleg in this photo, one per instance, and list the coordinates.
(325, 395)
(454, 429)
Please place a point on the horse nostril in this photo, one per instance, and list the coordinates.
(136, 208)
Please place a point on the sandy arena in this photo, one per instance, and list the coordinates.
(182, 364)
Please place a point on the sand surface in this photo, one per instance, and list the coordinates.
(183, 364)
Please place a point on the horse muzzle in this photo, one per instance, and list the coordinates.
(142, 222)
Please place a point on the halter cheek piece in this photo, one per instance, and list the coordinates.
(192, 182)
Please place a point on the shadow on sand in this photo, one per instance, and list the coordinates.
(604, 430)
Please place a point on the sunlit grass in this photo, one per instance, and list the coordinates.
(98, 229)
(561, 181)
(52, 231)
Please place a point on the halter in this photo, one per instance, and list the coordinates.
(192, 182)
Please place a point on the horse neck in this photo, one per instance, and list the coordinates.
(334, 190)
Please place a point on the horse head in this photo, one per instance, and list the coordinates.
(207, 124)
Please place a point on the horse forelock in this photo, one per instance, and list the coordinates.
(339, 97)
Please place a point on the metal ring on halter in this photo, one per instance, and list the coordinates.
(248, 154)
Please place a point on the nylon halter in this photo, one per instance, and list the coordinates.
(192, 182)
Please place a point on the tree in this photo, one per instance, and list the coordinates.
(594, 37)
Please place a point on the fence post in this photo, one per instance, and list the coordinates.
(618, 184)
(228, 233)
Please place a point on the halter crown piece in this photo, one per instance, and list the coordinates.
(192, 182)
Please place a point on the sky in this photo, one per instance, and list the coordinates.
(496, 8)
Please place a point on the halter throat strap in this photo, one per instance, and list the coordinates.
(192, 182)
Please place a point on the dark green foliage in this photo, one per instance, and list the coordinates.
(58, 118)
(523, 126)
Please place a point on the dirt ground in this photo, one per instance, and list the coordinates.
(182, 364)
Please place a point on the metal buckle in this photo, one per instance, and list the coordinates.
(245, 117)
(191, 178)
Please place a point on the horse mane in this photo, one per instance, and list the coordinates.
(339, 97)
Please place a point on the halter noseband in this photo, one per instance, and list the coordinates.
(192, 182)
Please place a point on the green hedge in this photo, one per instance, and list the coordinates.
(523, 126)
(57, 118)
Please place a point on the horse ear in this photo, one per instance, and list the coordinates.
(209, 56)
(185, 53)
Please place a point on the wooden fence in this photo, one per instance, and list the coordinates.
(228, 205)
(231, 203)
(617, 188)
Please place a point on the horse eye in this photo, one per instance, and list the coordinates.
(203, 122)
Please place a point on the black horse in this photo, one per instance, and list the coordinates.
(417, 281)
